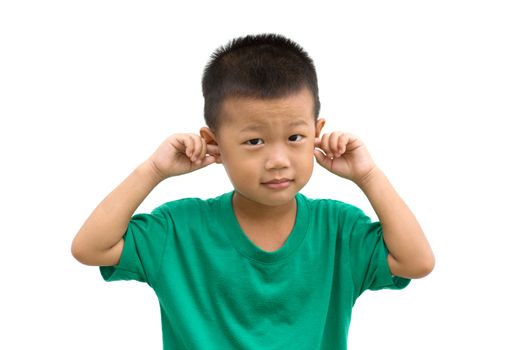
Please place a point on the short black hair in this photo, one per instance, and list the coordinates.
(261, 66)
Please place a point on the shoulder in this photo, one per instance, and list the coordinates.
(335, 218)
(329, 205)
(331, 213)
(184, 207)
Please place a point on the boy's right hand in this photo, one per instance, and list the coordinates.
(182, 153)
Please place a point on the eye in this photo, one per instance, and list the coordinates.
(254, 142)
(295, 138)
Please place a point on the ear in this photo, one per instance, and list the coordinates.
(211, 139)
(318, 126)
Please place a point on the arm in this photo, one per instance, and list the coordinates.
(410, 255)
(345, 155)
(100, 239)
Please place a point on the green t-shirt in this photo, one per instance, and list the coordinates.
(218, 290)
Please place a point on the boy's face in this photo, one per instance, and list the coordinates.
(266, 141)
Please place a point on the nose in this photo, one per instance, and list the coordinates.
(277, 158)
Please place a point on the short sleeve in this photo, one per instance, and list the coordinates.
(144, 244)
(368, 257)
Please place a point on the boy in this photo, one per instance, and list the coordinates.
(263, 266)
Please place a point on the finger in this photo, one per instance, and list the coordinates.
(317, 141)
(333, 143)
(353, 141)
(324, 145)
(189, 143)
(207, 161)
(200, 151)
(204, 148)
(321, 158)
(342, 143)
(212, 150)
(197, 148)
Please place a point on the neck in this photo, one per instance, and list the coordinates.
(254, 211)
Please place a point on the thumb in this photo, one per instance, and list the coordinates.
(321, 158)
(207, 161)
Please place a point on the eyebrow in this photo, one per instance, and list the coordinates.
(258, 126)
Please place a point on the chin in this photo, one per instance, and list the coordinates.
(268, 197)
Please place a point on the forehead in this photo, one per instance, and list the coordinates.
(249, 112)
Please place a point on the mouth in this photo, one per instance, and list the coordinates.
(278, 183)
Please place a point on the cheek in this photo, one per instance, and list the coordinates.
(239, 165)
(306, 161)
(306, 155)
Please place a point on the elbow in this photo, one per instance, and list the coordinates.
(425, 267)
(415, 269)
(76, 252)
(79, 253)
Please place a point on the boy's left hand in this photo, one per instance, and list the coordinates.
(345, 155)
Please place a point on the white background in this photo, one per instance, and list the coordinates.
(89, 89)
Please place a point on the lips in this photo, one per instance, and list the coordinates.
(277, 181)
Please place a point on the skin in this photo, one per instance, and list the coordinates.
(258, 141)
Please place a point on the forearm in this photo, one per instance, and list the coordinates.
(410, 252)
(108, 222)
